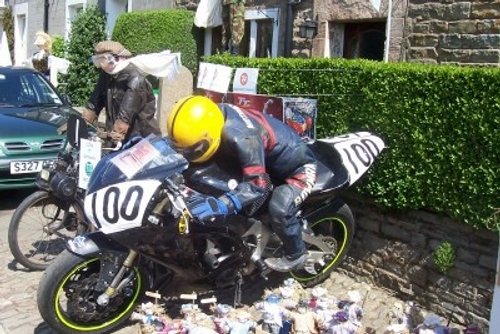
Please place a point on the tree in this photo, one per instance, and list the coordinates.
(87, 29)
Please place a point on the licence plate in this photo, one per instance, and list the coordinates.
(26, 166)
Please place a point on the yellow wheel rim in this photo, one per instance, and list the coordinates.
(340, 249)
(68, 323)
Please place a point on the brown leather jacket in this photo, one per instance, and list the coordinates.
(127, 96)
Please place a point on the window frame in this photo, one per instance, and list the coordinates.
(71, 5)
(252, 15)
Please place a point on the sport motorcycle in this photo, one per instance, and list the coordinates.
(145, 234)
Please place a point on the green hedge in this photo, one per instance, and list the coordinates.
(441, 123)
(158, 30)
(87, 29)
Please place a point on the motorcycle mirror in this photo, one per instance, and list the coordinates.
(76, 130)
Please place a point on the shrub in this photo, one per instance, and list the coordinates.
(58, 46)
(87, 29)
(159, 30)
(444, 257)
(8, 27)
(440, 124)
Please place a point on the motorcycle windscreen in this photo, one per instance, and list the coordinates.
(152, 158)
(121, 206)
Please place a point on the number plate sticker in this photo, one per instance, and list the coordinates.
(27, 166)
(121, 206)
(358, 151)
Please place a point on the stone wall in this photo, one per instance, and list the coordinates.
(395, 251)
(454, 32)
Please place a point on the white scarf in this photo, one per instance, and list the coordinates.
(162, 64)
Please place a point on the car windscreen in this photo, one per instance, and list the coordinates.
(25, 89)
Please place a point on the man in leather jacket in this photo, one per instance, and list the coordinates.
(124, 92)
(264, 148)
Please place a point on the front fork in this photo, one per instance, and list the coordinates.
(120, 280)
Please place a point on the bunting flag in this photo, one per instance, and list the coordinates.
(214, 77)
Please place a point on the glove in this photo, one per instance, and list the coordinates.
(116, 136)
(206, 207)
(89, 116)
(120, 127)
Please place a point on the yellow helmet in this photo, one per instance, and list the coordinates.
(195, 126)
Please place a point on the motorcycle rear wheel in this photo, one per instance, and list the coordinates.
(67, 296)
(40, 227)
(336, 224)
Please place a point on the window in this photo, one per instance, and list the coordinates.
(260, 37)
(73, 7)
(258, 43)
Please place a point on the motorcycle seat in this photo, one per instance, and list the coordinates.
(331, 173)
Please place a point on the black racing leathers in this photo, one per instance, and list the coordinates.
(127, 96)
(266, 149)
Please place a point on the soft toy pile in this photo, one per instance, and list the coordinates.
(288, 309)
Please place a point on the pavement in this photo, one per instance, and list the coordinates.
(18, 288)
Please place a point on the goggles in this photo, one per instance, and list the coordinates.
(104, 59)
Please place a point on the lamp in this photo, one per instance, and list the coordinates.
(308, 29)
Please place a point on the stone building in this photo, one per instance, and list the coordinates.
(429, 31)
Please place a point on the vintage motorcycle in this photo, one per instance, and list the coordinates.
(53, 214)
(45, 220)
(145, 233)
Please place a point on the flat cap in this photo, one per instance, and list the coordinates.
(113, 47)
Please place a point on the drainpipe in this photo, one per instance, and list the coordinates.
(388, 32)
(289, 26)
(46, 16)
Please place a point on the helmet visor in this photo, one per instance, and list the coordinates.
(195, 151)
(102, 60)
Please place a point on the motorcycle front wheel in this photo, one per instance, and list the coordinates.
(335, 226)
(40, 227)
(68, 292)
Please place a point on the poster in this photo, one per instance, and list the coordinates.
(297, 112)
(270, 105)
(300, 114)
(214, 96)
